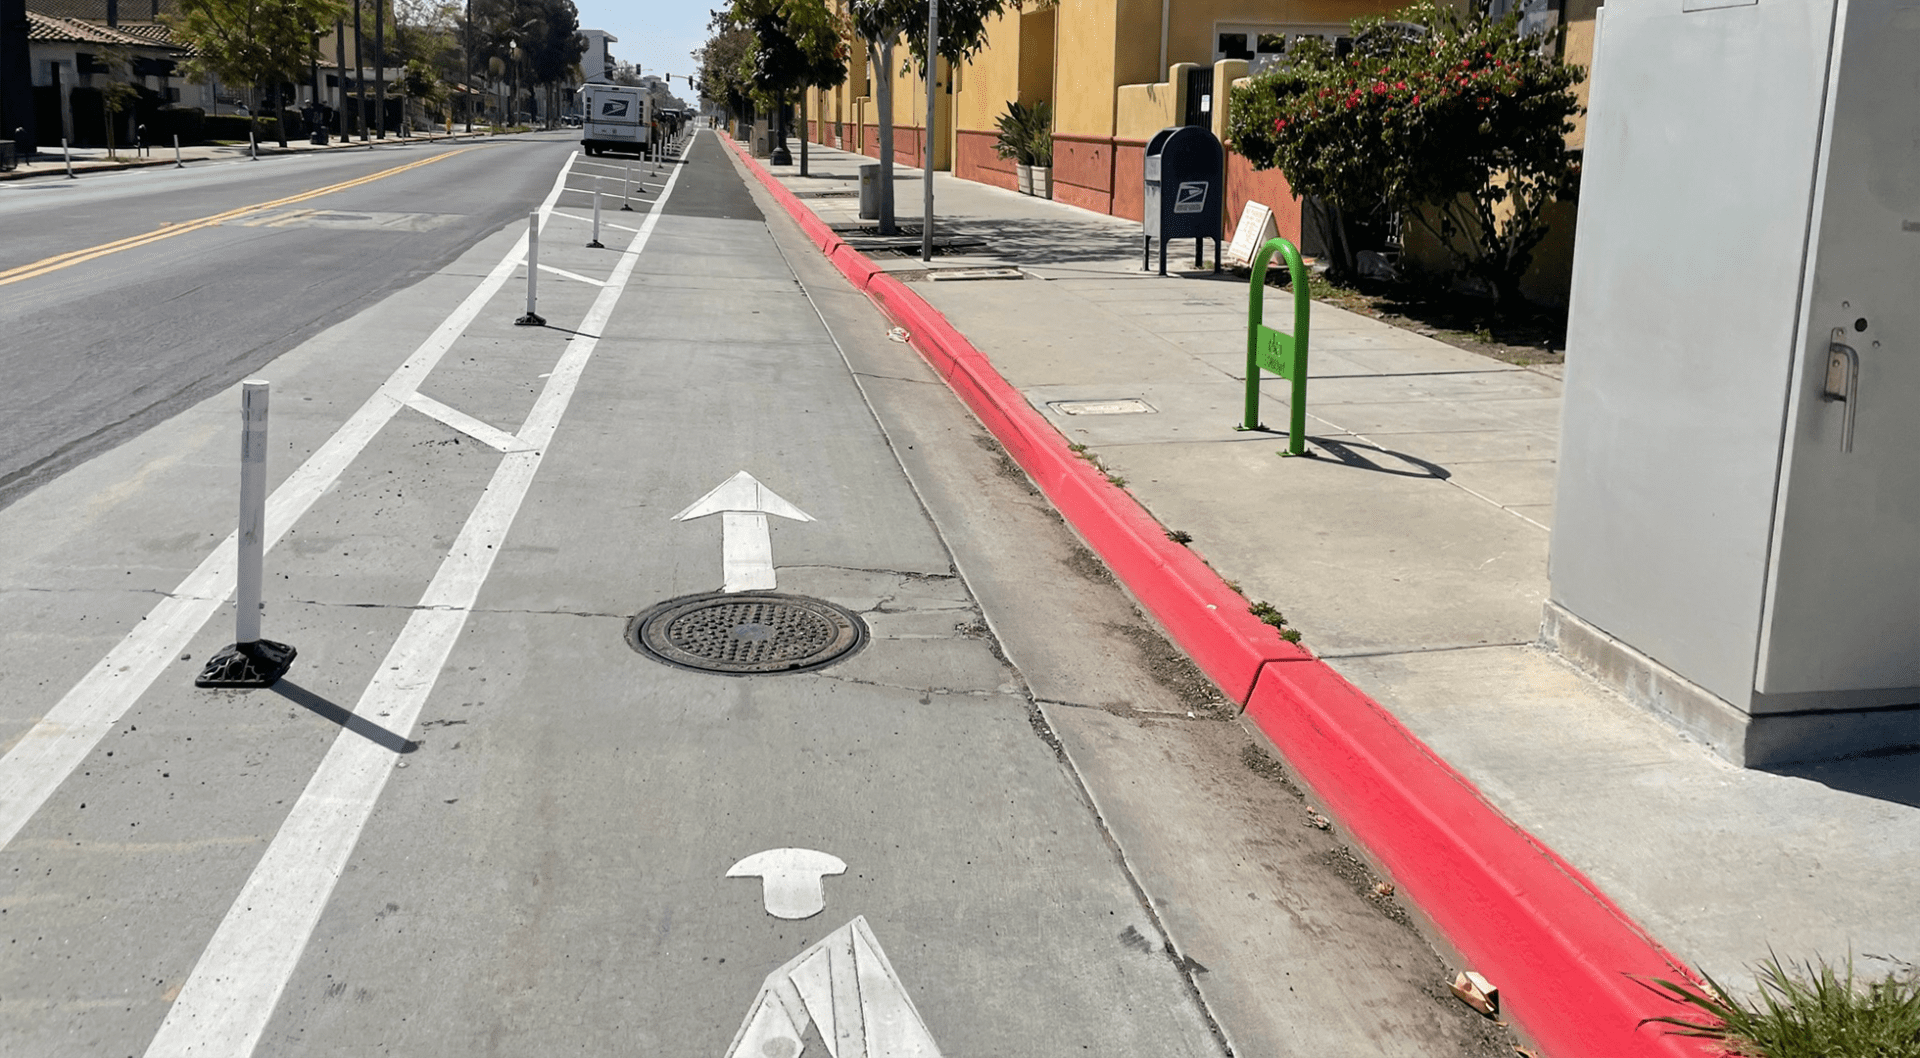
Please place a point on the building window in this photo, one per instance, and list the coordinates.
(1263, 46)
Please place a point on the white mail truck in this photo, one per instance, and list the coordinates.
(615, 117)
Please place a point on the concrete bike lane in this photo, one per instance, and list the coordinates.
(551, 873)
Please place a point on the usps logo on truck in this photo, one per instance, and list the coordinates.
(1191, 197)
(613, 108)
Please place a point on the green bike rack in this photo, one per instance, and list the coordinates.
(1276, 351)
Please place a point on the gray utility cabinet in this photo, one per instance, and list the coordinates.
(1737, 526)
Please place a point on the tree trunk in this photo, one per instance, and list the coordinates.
(883, 102)
(803, 130)
(380, 65)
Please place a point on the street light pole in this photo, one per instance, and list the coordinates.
(926, 138)
(359, 74)
(466, 89)
(379, 66)
(340, 78)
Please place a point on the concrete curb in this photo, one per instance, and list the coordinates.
(1563, 955)
(157, 162)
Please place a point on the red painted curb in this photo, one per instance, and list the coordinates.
(1556, 946)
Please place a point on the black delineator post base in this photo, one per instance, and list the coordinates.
(531, 319)
(256, 664)
(596, 245)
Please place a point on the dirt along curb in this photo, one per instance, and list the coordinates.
(1563, 955)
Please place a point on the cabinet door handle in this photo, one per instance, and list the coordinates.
(1843, 383)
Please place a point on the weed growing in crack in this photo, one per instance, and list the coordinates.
(1269, 615)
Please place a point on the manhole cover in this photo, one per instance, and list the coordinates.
(746, 634)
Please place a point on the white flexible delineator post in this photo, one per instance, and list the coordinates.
(177, 163)
(251, 661)
(253, 510)
(532, 318)
(596, 244)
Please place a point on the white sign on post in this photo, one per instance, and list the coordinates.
(1255, 228)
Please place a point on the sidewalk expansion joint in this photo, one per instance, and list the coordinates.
(161, 592)
(1330, 655)
(897, 378)
(904, 573)
(1125, 711)
(410, 607)
(926, 693)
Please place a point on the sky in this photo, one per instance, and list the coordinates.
(655, 35)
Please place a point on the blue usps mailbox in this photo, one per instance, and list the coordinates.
(1186, 183)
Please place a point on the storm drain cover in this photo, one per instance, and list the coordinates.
(747, 633)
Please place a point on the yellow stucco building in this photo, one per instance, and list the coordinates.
(1116, 71)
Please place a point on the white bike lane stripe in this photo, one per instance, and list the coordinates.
(50, 751)
(230, 996)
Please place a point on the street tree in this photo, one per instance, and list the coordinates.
(882, 24)
(1456, 120)
(796, 44)
(254, 42)
(506, 34)
(420, 83)
(555, 47)
(117, 94)
(722, 64)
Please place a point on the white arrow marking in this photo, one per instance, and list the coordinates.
(746, 550)
(791, 879)
(844, 984)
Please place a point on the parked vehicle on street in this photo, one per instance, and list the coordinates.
(616, 118)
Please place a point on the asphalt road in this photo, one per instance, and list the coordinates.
(94, 351)
(473, 819)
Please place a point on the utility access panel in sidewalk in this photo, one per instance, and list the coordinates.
(1186, 183)
(1737, 523)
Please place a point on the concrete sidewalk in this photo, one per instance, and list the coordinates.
(51, 162)
(1411, 554)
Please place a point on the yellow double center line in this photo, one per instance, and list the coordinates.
(74, 257)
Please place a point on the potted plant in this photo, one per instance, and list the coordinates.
(1040, 149)
(1016, 142)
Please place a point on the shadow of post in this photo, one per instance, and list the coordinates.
(1349, 454)
(344, 717)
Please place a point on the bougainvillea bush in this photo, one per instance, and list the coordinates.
(1452, 118)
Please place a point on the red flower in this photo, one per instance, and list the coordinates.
(1400, 85)
(1379, 88)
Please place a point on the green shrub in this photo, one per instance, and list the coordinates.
(234, 127)
(1026, 133)
(1455, 120)
(188, 123)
